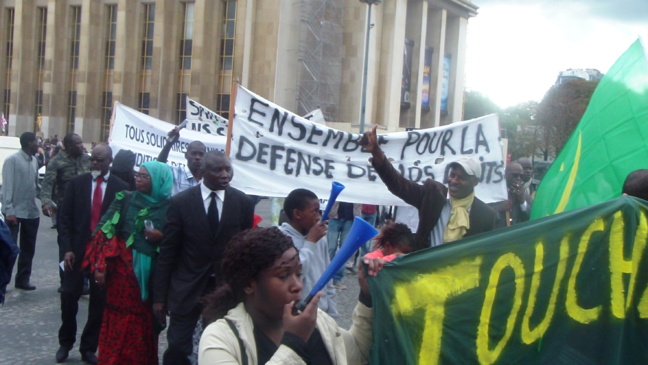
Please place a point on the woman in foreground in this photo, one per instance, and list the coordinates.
(251, 313)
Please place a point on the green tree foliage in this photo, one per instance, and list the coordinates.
(561, 109)
(519, 127)
(477, 105)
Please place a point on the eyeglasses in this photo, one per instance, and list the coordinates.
(97, 160)
(516, 176)
(142, 176)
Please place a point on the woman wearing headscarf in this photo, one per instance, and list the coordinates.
(122, 255)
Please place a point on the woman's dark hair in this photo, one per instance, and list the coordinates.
(122, 167)
(246, 256)
(399, 235)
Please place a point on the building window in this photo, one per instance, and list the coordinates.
(106, 114)
(75, 37)
(111, 36)
(109, 61)
(144, 103)
(6, 100)
(226, 59)
(184, 74)
(40, 66)
(147, 40)
(181, 106)
(72, 100)
(146, 64)
(186, 42)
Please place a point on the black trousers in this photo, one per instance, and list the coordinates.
(72, 290)
(180, 336)
(181, 329)
(28, 229)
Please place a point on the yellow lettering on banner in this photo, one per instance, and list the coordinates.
(637, 253)
(574, 310)
(484, 353)
(431, 291)
(642, 307)
(531, 335)
(619, 265)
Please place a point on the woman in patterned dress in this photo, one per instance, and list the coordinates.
(122, 255)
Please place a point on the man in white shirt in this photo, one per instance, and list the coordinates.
(191, 175)
(19, 191)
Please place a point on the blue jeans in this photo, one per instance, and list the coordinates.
(371, 219)
(337, 230)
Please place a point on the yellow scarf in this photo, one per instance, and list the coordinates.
(459, 219)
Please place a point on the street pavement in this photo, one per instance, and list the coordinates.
(29, 320)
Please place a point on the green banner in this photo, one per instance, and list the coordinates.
(566, 289)
(609, 142)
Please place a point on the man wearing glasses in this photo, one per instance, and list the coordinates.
(86, 198)
(518, 206)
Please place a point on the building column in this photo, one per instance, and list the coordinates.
(205, 52)
(436, 38)
(23, 73)
(416, 31)
(391, 64)
(166, 42)
(457, 34)
(128, 53)
(56, 73)
(89, 82)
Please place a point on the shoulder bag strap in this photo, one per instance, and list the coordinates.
(236, 333)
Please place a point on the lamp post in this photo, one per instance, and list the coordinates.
(363, 104)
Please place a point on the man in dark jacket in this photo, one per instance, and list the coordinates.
(86, 198)
(441, 219)
(200, 222)
(517, 207)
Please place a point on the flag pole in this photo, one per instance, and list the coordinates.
(230, 123)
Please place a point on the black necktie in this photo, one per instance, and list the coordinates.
(212, 212)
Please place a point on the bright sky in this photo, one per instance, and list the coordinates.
(517, 47)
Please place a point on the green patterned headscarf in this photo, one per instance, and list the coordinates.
(148, 206)
(161, 181)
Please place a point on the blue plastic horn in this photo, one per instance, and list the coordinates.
(335, 191)
(361, 232)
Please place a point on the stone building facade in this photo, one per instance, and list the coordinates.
(64, 62)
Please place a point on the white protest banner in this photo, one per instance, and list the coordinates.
(145, 136)
(202, 119)
(316, 116)
(275, 151)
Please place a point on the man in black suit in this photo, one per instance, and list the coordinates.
(200, 222)
(517, 207)
(445, 214)
(87, 197)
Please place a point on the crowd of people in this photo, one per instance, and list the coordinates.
(177, 245)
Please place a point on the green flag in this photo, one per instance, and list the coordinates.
(610, 141)
(571, 288)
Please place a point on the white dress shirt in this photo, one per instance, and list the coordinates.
(220, 198)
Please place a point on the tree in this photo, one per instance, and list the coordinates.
(518, 126)
(477, 105)
(561, 109)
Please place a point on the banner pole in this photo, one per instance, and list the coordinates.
(230, 126)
